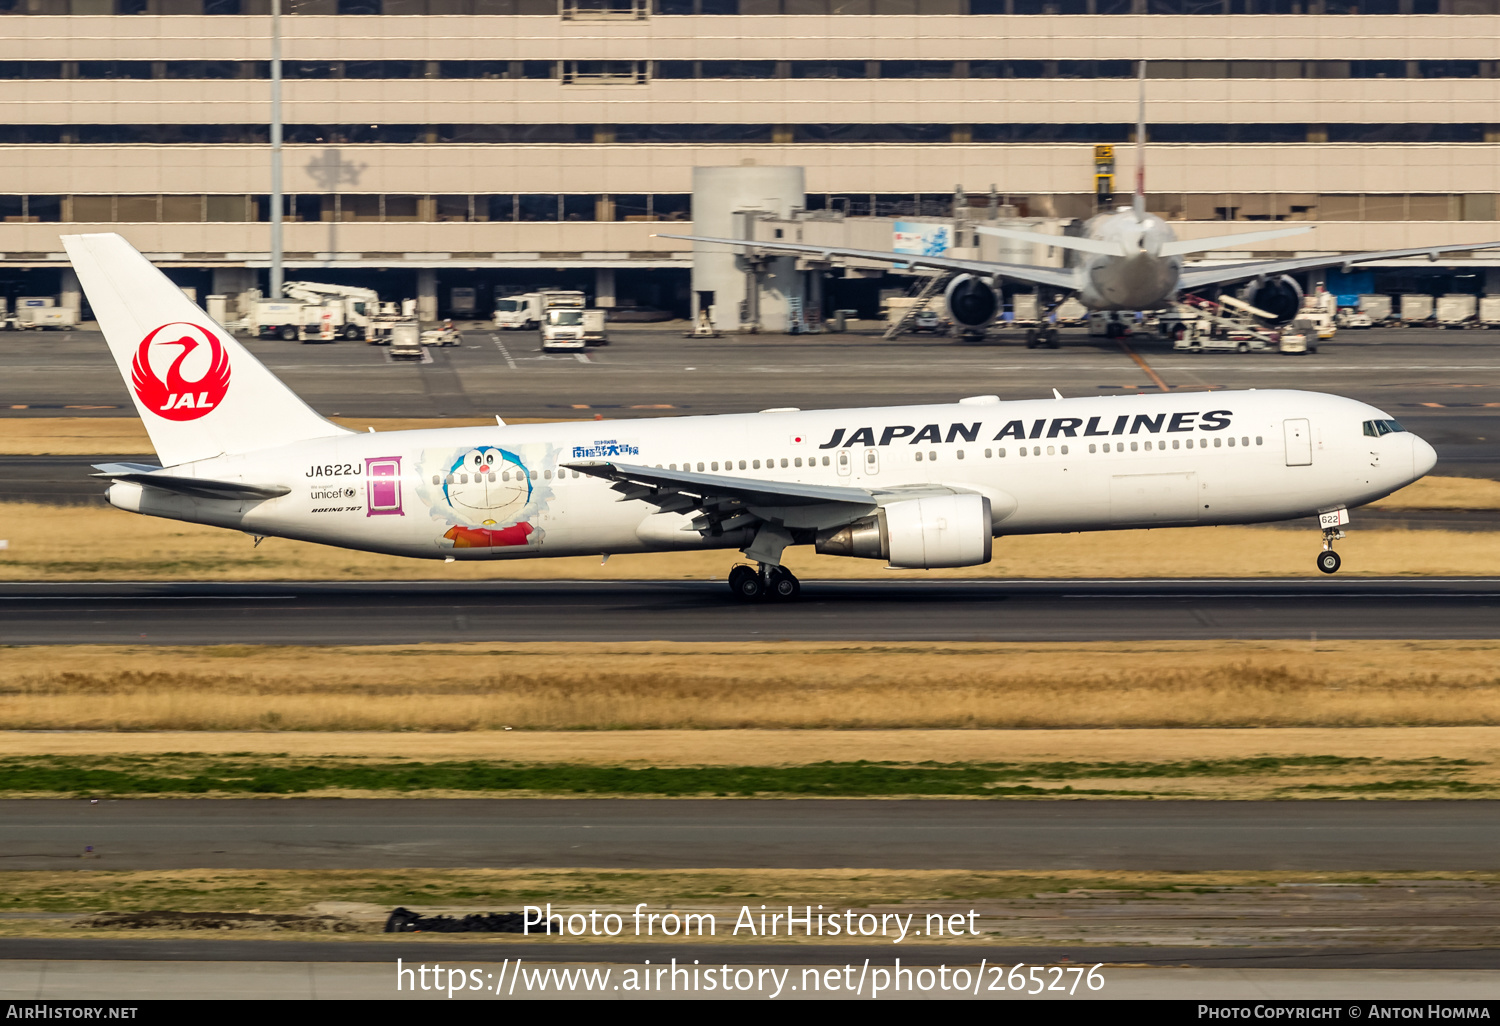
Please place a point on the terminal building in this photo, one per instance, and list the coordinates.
(448, 149)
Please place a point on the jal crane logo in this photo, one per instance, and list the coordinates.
(173, 395)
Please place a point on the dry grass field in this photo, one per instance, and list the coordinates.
(77, 543)
(847, 686)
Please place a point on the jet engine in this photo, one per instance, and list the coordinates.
(971, 302)
(918, 534)
(1279, 296)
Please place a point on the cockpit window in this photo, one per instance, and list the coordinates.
(1376, 428)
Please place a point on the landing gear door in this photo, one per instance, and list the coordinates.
(842, 459)
(1298, 443)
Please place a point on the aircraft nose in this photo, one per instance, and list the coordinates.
(1423, 457)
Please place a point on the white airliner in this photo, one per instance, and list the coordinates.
(1128, 260)
(916, 486)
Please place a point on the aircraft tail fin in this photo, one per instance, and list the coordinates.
(198, 391)
(1138, 202)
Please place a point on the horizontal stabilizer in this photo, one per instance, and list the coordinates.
(1184, 246)
(198, 487)
(1083, 245)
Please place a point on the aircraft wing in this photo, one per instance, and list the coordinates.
(1056, 277)
(1226, 273)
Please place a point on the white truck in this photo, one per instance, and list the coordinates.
(1456, 309)
(39, 313)
(1489, 312)
(330, 312)
(562, 324)
(519, 312)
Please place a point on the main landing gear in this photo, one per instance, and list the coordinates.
(1045, 338)
(763, 581)
(1332, 524)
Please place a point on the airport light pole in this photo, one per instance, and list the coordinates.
(276, 194)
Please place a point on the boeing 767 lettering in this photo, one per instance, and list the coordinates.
(916, 486)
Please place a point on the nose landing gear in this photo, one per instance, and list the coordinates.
(1332, 523)
(751, 584)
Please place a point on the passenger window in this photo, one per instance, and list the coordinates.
(533, 475)
(1148, 446)
(825, 461)
(1002, 453)
(1218, 442)
(450, 478)
(1231, 442)
(436, 479)
(673, 467)
(932, 456)
(1093, 447)
(1065, 450)
(714, 465)
(700, 468)
(492, 477)
(1189, 443)
(1135, 446)
(1244, 441)
(547, 474)
(1051, 450)
(1021, 451)
(1106, 447)
(463, 478)
(960, 454)
(797, 462)
(988, 454)
(783, 461)
(757, 464)
(1259, 440)
(742, 464)
(919, 457)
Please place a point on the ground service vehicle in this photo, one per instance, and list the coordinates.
(523, 312)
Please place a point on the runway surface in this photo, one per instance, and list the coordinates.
(1193, 836)
(435, 949)
(325, 612)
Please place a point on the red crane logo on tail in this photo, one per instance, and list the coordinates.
(175, 397)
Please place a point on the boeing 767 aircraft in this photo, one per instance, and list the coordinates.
(916, 486)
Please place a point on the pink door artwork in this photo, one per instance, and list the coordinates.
(383, 485)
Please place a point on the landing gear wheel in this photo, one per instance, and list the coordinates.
(1052, 338)
(1329, 561)
(746, 584)
(784, 586)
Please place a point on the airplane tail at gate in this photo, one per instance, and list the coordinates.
(198, 391)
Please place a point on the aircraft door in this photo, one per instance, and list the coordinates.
(1298, 443)
(872, 461)
(842, 459)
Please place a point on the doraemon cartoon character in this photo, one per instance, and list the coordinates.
(487, 484)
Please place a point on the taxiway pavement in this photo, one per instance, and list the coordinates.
(409, 612)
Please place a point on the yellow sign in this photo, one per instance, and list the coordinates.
(1104, 185)
(1104, 154)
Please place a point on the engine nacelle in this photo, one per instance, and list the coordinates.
(971, 302)
(1280, 297)
(918, 534)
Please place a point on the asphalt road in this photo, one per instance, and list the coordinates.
(1196, 836)
(323, 612)
(1445, 385)
(492, 950)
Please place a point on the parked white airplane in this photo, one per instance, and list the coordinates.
(917, 486)
(1128, 260)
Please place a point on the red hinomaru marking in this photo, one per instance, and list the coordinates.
(176, 398)
(484, 538)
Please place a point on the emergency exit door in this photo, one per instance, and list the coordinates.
(872, 461)
(1298, 443)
